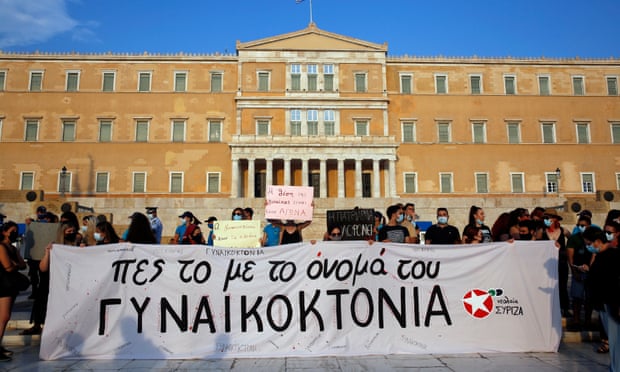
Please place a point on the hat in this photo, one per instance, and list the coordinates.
(551, 212)
(186, 214)
(211, 219)
(151, 209)
(41, 209)
(585, 212)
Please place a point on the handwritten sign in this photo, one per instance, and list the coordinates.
(38, 235)
(237, 234)
(355, 224)
(289, 203)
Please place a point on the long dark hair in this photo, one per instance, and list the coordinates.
(109, 232)
(140, 230)
(473, 210)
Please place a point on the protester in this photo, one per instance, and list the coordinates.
(139, 231)
(333, 234)
(192, 233)
(393, 232)
(554, 231)
(517, 215)
(248, 213)
(500, 232)
(105, 233)
(237, 214)
(527, 230)
(210, 222)
(291, 232)
(379, 222)
(472, 235)
(476, 219)
(271, 233)
(579, 259)
(409, 222)
(156, 225)
(441, 232)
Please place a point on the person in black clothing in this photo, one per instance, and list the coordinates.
(476, 219)
(553, 231)
(441, 232)
(393, 232)
(579, 259)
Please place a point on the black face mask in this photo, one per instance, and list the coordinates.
(13, 236)
(70, 237)
(525, 236)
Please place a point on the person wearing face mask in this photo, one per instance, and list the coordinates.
(192, 233)
(10, 260)
(333, 234)
(527, 229)
(237, 214)
(441, 232)
(409, 218)
(603, 284)
(476, 219)
(105, 233)
(554, 231)
(378, 225)
(393, 232)
(210, 222)
(579, 263)
(156, 225)
(271, 233)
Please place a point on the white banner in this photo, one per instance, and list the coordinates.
(127, 301)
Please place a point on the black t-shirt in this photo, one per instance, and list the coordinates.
(396, 234)
(442, 235)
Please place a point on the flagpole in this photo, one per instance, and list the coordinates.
(311, 22)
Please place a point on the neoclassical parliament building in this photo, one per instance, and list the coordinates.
(209, 132)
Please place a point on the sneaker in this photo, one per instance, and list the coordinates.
(5, 358)
(5, 351)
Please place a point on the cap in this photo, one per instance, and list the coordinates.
(585, 212)
(551, 212)
(151, 209)
(211, 219)
(41, 209)
(186, 214)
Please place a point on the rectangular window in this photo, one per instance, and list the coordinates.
(587, 182)
(328, 78)
(406, 83)
(215, 131)
(139, 182)
(27, 181)
(443, 132)
(109, 81)
(180, 81)
(517, 182)
(176, 182)
(315, 181)
(73, 81)
(105, 130)
(552, 182)
(217, 79)
(329, 122)
(578, 86)
(548, 132)
(313, 78)
(144, 82)
(612, 86)
(544, 88)
(101, 182)
(583, 133)
(482, 183)
(361, 128)
(408, 128)
(32, 130)
(178, 130)
(615, 133)
(510, 84)
(262, 127)
(441, 84)
(445, 180)
(142, 130)
(478, 132)
(475, 84)
(360, 82)
(263, 81)
(36, 81)
(366, 185)
(295, 123)
(213, 182)
(514, 132)
(68, 130)
(64, 182)
(411, 183)
(313, 123)
(295, 77)
(2, 80)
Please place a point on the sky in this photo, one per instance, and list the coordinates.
(428, 28)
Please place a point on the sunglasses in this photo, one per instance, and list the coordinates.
(237, 214)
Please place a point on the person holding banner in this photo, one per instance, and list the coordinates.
(271, 233)
(393, 232)
(192, 234)
(291, 232)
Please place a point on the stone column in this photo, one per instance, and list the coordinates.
(269, 172)
(341, 178)
(323, 178)
(376, 181)
(392, 171)
(358, 178)
(304, 172)
(234, 182)
(251, 177)
(287, 172)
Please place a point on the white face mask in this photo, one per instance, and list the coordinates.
(150, 216)
(84, 228)
(98, 237)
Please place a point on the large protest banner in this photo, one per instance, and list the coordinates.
(127, 301)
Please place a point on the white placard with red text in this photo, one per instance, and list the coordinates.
(289, 203)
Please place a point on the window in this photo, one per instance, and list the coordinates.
(144, 82)
(510, 84)
(366, 185)
(142, 130)
(406, 83)
(517, 182)
(296, 77)
(36, 81)
(548, 132)
(263, 81)
(441, 84)
(139, 182)
(295, 129)
(361, 127)
(105, 130)
(360, 82)
(408, 128)
(313, 123)
(475, 84)
(329, 122)
(64, 182)
(443, 132)
(215, 131)
(73, 81)
(445, 182)
(578, 86)
(101, 182)
(180, 81)
(109, 81)
(328, 78)
(482, 183)
(313, 80)
(411, 185)
(544, 88)
(213, 182)
(583, 133)
(32, 130)
(262, 127)
(552, 182)
(2, 80)
(217, 79)
(26, 181)
(68, 130)
(314, 179)
(176, 182)
(615, 133)
(587, 182)
(478, 130)
(612, 85)
(514, 132)
(178, 130)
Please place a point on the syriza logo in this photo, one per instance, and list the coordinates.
(478, 303)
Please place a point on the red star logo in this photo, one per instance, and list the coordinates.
(478, 303)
